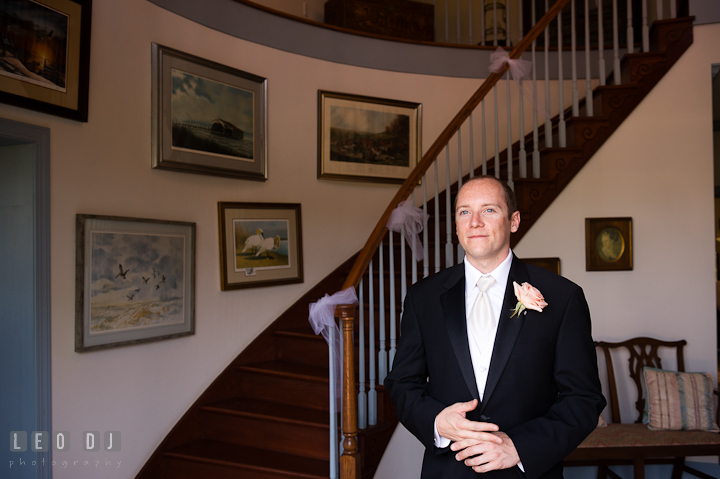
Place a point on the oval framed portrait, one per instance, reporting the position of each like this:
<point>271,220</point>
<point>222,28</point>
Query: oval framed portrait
<point>608,244</point>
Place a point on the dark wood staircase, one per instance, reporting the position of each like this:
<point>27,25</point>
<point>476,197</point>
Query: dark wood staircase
<point>266,415</point>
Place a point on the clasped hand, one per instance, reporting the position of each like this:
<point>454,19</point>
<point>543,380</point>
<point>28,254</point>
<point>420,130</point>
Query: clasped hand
<point>479,444</point>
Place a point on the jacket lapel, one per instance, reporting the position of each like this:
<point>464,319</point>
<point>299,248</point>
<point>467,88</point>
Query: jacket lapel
<point>508,329</point>
<point>453,305</point>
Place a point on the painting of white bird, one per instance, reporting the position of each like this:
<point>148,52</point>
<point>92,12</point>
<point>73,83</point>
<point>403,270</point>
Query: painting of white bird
<point>267,245</point>
<point>254,241</point>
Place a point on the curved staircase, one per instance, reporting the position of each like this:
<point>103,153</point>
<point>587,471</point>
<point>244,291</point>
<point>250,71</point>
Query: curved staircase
<point>266,415</point>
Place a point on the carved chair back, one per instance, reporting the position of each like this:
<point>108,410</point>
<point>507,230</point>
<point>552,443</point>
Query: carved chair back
<point>643,352</point>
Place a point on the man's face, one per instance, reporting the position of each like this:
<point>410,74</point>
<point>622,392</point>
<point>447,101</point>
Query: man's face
<point>483,227</point>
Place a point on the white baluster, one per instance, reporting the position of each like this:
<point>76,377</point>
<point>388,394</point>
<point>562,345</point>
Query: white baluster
<point>548,120</point>
<point>382,354</point>
<point>588,90</point>
<point>448,222</point>
<point>372,394</point>
<point>362,395</point>
<point>573,56</point>
<point>536,134</point>
<point>601,44</point>
<point>659,14</point>
<point>673,9</point>
<point>497,135</point>
<point>561,100</point>
<point>333,407</point>
<point>507,23</point>
<point>426,252</point>
<point>393,334</point>
<point>484,138</point>
<point>472,150</point>
<point>437,219</point>
<point>509,132</point>
<point>616,45</point>
<point>645,29</point>
<point>522,155</point>
<point>630,33</point>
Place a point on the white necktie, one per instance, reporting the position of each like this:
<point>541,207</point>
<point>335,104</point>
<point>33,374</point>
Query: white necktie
<point>482,319</point>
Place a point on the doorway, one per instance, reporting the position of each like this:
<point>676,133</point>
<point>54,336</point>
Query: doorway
<point>25,298</point>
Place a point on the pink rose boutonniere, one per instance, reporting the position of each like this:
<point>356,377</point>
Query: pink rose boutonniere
<point>528,298</point>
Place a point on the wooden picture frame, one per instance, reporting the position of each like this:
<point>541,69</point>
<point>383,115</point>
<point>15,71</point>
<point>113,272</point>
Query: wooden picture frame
<point>45,63</point>
<point>260,244</point>
<point>224,137</point>
<point>550,264</point>
<point>135,281</point>
<point>608,244</point>
<point>362,138</point>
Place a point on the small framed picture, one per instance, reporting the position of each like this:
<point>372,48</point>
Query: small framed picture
<point>550,264</point>
<point>207,118</point>
<point>362,138</point>
<point>608,244</point>
<point>135,281</point>
<point>260,244</point>
<point>45,56</point>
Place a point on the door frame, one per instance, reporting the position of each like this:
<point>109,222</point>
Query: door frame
<point>16,133</point>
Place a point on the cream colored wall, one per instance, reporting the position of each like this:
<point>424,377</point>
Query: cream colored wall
<point>658,169</point>
<point>103,167</point>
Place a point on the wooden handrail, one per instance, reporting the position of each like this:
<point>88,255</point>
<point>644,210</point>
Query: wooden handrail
<point>432,153</point>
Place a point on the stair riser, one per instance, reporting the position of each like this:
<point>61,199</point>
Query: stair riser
<point>310,351</point>
<point>179,468</point>
<point>285,390</point>
<point>289,438</point>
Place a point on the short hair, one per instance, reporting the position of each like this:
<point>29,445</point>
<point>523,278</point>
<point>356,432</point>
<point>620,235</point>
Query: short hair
<point>510,200</point>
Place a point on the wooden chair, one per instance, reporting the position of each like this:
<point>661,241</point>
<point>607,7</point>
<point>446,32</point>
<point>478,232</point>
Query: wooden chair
<point>636,444</point>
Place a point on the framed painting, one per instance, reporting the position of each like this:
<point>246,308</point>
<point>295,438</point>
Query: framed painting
<point>135,281</point>
<point>362,138</point>
<point>260,244</point>
<point>207,118</point>
<point>608,244</point>
<point>550,264</point>
<point>45,55</point>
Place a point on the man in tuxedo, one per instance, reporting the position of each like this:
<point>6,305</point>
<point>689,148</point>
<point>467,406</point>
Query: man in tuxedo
<point>513,397</point>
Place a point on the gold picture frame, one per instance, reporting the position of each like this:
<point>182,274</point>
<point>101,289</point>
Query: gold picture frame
<point>260,244</point>
<point>363,138</point>
<point>46,58</point>
<point>608,244</point>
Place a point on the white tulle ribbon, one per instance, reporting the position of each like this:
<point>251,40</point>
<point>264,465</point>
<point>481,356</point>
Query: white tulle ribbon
<point>410,220</point>
<point>519,69</point>
<point>322,320</point>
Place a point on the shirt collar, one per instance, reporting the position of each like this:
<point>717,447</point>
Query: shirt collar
<point>500,274</point>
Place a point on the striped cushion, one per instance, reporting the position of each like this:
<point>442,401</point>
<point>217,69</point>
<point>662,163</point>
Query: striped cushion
<point>679,401</point>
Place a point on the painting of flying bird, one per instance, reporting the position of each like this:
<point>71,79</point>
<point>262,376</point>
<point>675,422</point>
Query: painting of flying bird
<point>117,301</point>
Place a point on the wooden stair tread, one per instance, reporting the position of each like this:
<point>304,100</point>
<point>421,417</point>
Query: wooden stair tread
<point>278,367</point>
<point>222,453</point>
<point>270,411</point>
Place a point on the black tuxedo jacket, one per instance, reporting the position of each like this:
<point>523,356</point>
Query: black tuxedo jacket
<point>542,387</point>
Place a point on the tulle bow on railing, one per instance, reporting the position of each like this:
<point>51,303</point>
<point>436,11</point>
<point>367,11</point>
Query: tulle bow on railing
<point>322,320</point>
<point>410,220</point>
<point>519,70</point>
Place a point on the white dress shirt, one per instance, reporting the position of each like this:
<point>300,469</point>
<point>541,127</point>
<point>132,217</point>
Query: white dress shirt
<point>496,294</point>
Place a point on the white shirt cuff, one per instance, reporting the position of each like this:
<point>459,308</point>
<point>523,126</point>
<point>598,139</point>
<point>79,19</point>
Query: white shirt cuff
<point>519,464</point>
<point>440,442</point>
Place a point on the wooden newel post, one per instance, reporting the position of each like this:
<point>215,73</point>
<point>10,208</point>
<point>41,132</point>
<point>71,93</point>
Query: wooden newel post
<point>350,459</point>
